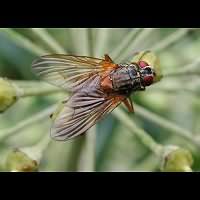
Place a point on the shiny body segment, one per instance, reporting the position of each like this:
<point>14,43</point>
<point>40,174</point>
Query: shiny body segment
<point>123,80</point>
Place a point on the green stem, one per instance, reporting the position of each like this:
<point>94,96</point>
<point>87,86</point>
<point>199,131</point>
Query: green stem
<point>80,40</point>
<point>6,133</point>
<point>177,73</point>
<point>87,161</point>
<point>74,154</point>
<point>174,88</point>
<point>190,69</point>
<point>101,41</point>
<point>48,40</point>
<point>37,92</point>
<point>172,38</point>
<point>36,151</point>
<point>90,41</point>
<point>23,41</point>
<point>124,43</point>
<point>135,44</point>
<point>168,125</point>
<point>145,138</point>
<point>34,88</point>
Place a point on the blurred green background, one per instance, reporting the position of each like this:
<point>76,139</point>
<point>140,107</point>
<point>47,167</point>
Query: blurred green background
<point>110,145</point>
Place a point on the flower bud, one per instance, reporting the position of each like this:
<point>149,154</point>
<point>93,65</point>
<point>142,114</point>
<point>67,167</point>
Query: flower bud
<point>18,161</point>
<point>8,94</point>
<point>176,159</point>
<point>153,61</point>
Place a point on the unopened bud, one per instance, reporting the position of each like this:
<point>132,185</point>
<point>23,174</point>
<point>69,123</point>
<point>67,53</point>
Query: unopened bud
<point>8,94</point>
<point>176,159</point>
<point>18,161</point>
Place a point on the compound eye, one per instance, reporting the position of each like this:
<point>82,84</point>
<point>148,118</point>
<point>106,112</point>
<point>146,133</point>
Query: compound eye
<point>143,64</point>
<point>148,80</point>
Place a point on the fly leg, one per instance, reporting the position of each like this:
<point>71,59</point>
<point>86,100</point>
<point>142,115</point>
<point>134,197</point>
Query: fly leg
<point>128,103</point>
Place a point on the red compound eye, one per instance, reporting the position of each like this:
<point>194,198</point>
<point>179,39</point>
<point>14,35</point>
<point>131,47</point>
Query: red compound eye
<point>148,80</point>
<point>143,64</point>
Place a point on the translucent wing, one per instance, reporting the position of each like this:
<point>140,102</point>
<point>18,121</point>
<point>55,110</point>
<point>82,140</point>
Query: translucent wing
<point>81,111</point>
<point>68,71</point>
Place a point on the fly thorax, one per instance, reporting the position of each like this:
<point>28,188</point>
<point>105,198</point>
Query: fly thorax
<point>126,78</point>
<point>135,77</point>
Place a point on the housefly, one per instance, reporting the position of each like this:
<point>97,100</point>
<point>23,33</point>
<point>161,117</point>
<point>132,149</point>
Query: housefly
<point>97,86</point>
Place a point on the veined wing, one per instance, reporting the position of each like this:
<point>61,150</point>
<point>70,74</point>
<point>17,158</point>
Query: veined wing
<point>68,71</point>
<point>81,111</point>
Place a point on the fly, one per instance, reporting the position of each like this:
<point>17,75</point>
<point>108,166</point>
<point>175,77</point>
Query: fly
<point>97,86</point>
